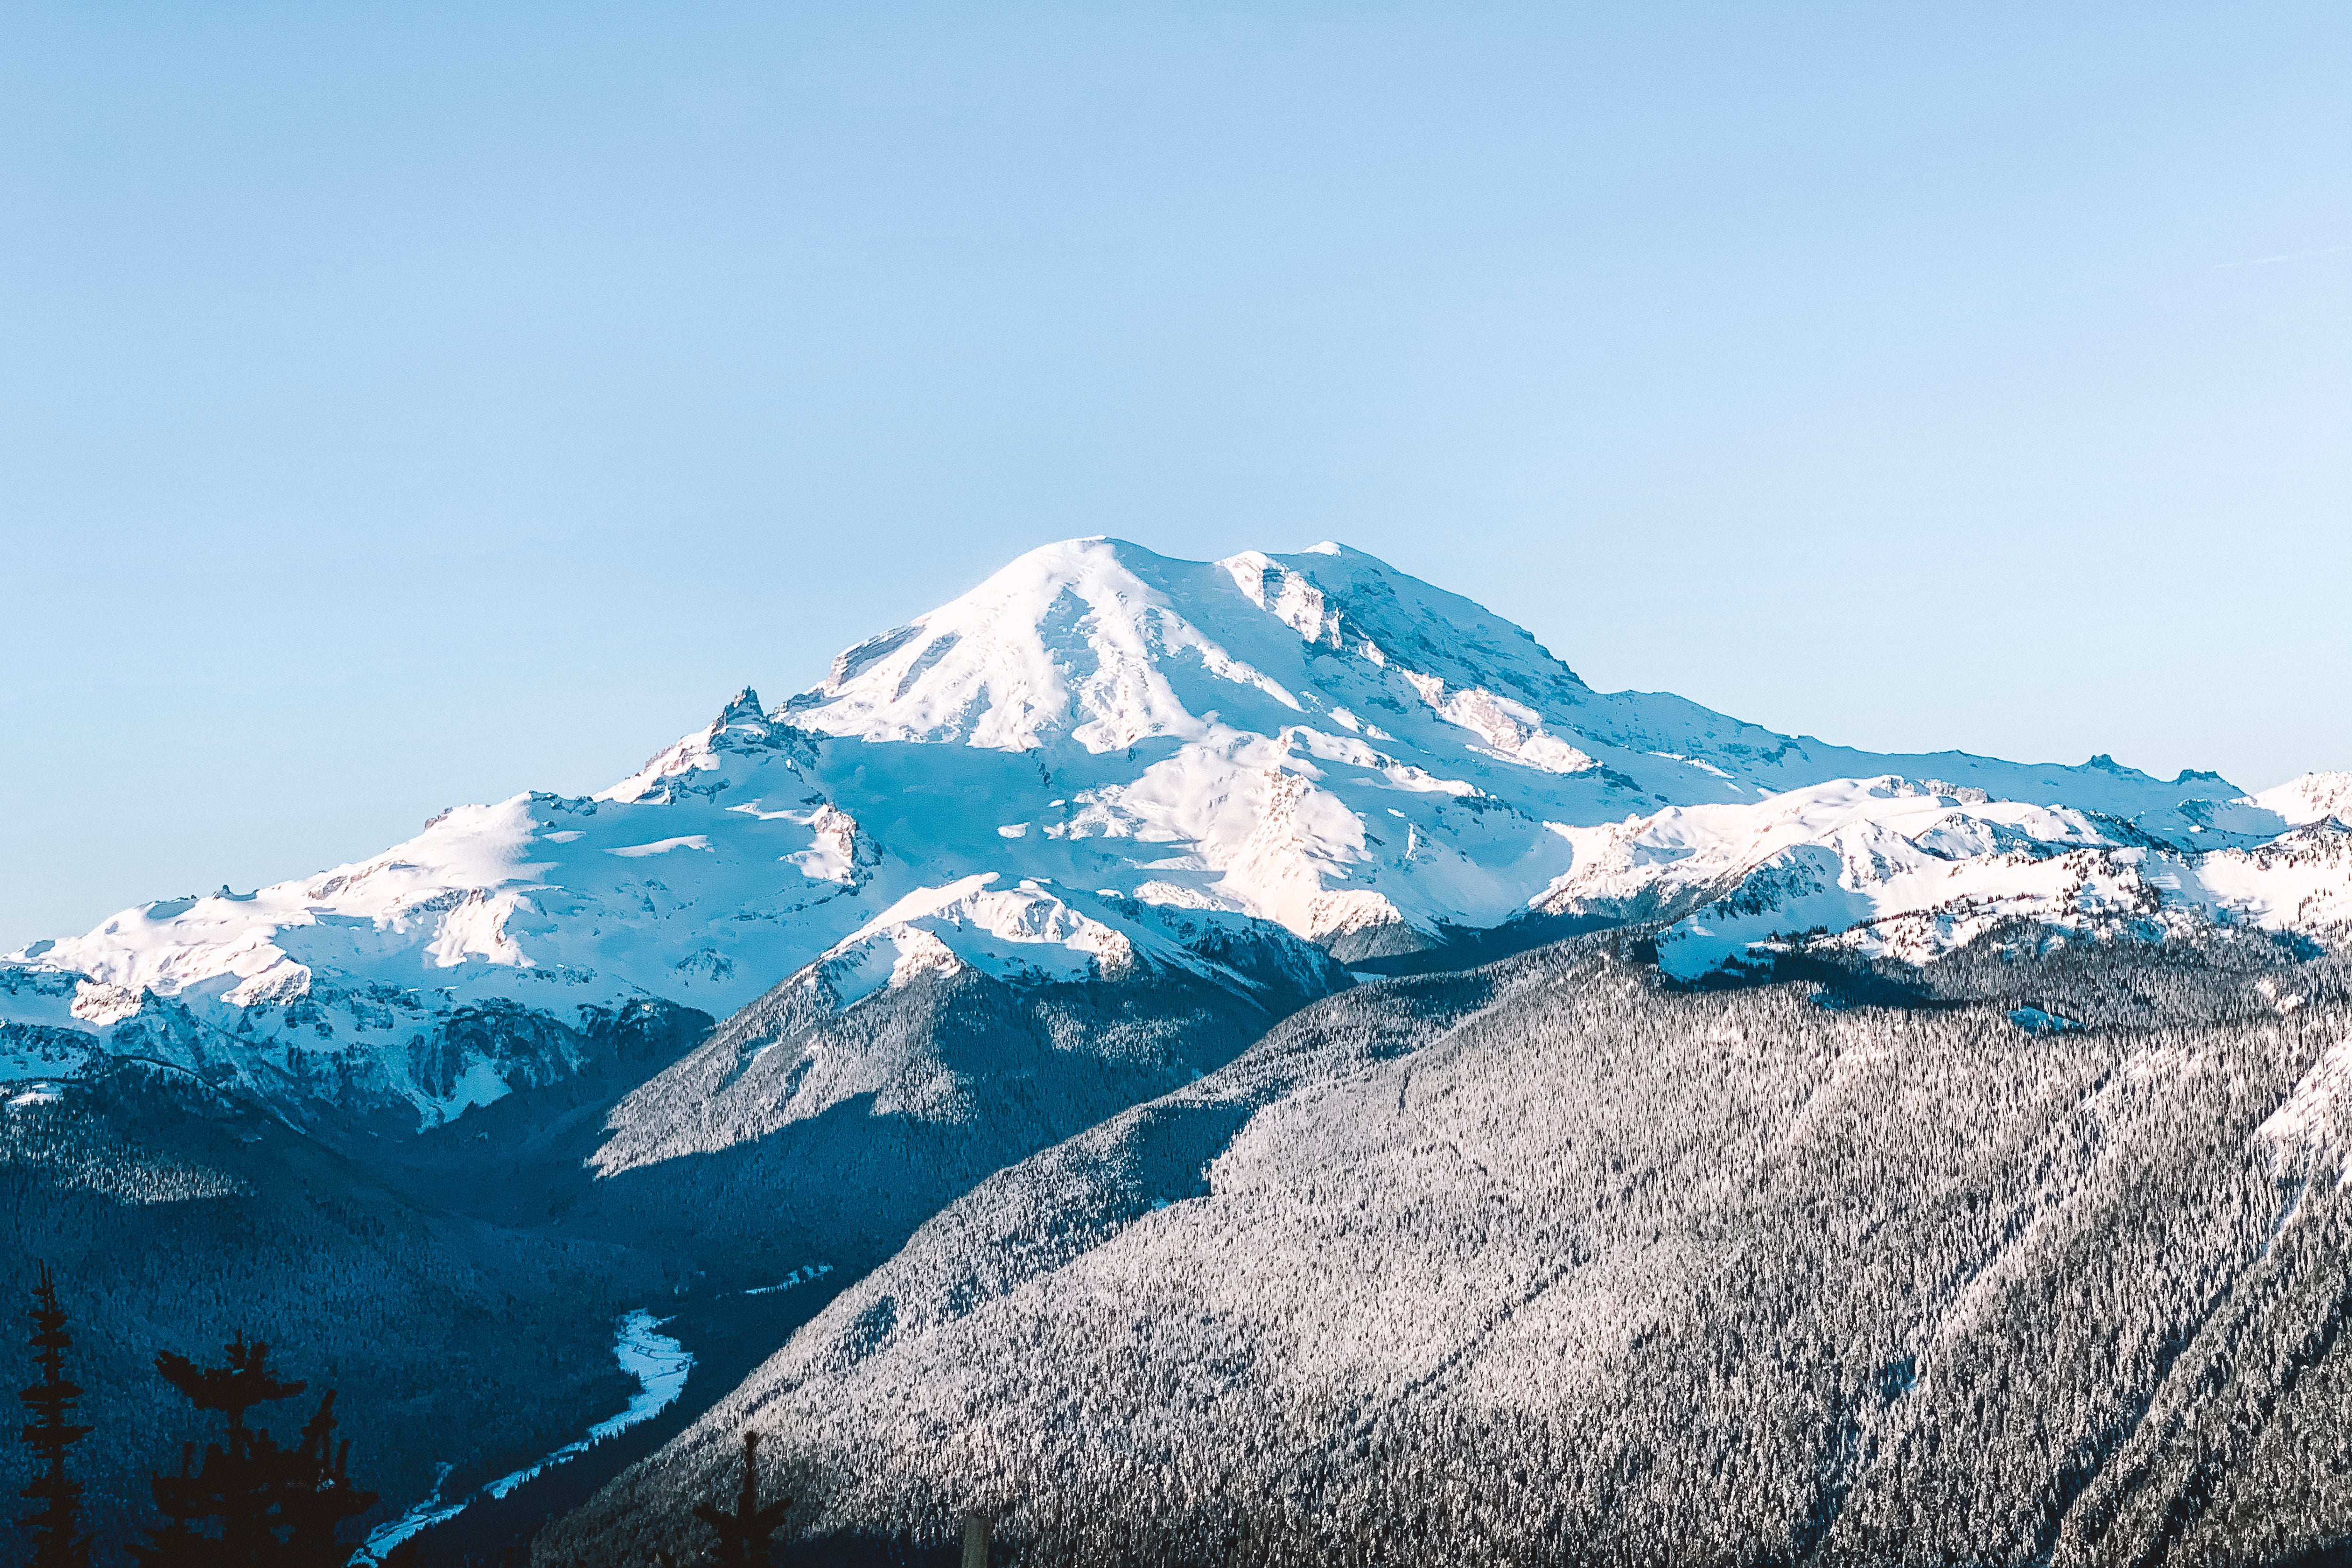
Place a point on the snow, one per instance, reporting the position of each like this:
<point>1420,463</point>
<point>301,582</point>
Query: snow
<point>660,1366</point>
<point>2316,1120</point>
<point>1901,866</point>
<point>478,1085</point>
<point>1022,933</point>
<point>663,846</point>
<point>1313,741</point>
<point>2311,798</point>
<point>797,1276</point>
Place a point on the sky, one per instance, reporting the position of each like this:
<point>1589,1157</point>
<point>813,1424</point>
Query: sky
<point>406,405</point>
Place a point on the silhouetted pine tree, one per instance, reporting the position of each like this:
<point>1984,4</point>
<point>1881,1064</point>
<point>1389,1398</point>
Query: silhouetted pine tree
<point>743,1534</point>
<point>235,1488</point>
<point>318,1494</point>
<point>275,1508</point>
<point>50,1433</point>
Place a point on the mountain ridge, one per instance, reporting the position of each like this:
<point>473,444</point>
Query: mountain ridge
<point>1315,743</point>
<point>1554,1261</point>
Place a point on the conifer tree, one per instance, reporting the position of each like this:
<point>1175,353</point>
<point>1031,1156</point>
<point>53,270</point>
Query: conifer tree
<point>236,1487</point>
<point>50,1433</point>
<point>273,1508</point>
<point>318,1494</point>
<point>743,1534</point>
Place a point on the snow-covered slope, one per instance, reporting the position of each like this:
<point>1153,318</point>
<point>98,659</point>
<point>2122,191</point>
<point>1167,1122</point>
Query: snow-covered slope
<point>2314,798</point>
<point>1314,743</point>
<point>1889,867</point>
<point>1551,1263</point>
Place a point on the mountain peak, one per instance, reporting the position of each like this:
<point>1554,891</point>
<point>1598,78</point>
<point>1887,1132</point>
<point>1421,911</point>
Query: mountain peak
<point>1106,644</point>
<point>742,725</point>
<point>743,709</point>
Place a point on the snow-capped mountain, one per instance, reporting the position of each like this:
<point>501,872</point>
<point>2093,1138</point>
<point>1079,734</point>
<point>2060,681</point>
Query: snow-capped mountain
<point>1308,748</point>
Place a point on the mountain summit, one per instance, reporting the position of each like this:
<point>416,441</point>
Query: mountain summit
<point>1102,761</point>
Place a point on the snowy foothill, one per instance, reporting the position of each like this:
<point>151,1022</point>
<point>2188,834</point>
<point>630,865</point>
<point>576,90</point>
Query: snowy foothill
<point>1035,779</point>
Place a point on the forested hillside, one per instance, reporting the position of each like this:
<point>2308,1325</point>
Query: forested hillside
<point>834,1135</point>
<point>175,1220</point>
<point>460,1287</point>
<point>2035,1255</point>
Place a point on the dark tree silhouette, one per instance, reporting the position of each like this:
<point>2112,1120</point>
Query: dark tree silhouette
<point>319,1493</point>
<point>743,1534</point>
<point>235,1488</point>
<point>275,1508</point>
<point>49,1432</point>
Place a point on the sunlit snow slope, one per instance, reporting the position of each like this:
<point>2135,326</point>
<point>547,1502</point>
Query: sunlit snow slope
<point>1314,741</point>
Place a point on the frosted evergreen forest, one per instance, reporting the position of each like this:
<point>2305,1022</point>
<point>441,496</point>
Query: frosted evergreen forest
<point>2033,1255</point>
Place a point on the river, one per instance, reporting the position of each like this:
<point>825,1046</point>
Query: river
<point>660,1366</point>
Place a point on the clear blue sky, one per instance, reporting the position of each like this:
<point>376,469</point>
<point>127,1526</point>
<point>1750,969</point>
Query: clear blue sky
<point>410,405</point>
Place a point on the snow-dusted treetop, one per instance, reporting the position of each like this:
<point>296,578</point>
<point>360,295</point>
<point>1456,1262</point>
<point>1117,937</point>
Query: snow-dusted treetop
<point>1317,741</point>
